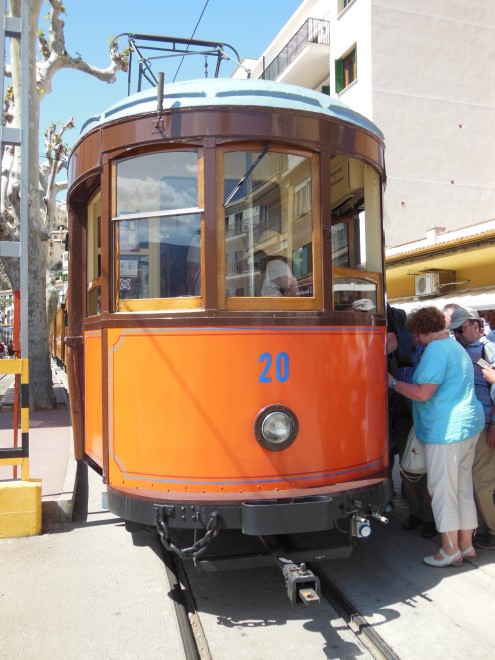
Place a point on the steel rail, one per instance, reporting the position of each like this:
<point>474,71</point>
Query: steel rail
<point>355,621</point>
<point>191,630</point>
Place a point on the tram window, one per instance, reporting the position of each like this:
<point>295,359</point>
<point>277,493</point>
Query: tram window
<point>157,182</point>
<point>268,224</point>
<point>157,229</point>
<point>348,289</point>
<point>93,257</point>
<point>356,233</point>
<point>94,297</point>
<point>156,257</point>
<point>302,267</point>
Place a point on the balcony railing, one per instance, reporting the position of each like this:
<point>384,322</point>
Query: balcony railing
<point>313,31</point>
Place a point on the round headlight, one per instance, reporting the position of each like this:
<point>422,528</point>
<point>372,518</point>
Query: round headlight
<point>276,427</point>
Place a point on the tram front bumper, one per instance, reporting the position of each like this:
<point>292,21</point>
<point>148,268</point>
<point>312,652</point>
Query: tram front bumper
<point>302,514</point>
<point>289,513</point>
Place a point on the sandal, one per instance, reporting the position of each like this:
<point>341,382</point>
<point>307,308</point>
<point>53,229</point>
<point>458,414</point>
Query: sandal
<point>447,560</point>
<point>465,553</point>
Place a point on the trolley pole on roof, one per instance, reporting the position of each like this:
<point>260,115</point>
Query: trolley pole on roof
<point>20,500</point>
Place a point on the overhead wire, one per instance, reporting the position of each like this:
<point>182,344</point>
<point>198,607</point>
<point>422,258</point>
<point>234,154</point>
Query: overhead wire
<point>192,37</point>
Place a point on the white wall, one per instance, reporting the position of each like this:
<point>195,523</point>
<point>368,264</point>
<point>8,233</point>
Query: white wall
<point>352,27</point>
<point>426,77</point>
<point>434,98</point>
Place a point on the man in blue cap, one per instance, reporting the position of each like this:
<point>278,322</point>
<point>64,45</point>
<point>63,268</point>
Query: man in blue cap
<point>468,330</point>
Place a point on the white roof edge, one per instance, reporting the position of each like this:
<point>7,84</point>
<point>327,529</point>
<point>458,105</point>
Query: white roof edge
<point>232,92</point>
<point>482,299</point>
<point>435,238</point>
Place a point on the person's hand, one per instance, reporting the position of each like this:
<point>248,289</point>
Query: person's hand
<point>489,375</point>
<point>287,286</point>
<point>293,289</point>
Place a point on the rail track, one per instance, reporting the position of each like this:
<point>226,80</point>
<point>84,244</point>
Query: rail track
<point>194,635</point>
<point>191,631</point>
<point>355,621</point>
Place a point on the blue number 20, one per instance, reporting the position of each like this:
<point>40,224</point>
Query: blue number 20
<point>281,367</point>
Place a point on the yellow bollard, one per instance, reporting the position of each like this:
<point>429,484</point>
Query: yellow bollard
<point>20,508</point>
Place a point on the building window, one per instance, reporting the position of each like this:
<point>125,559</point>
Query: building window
<point>343,4</point>
<point>302,198</point>
<point>346,70</point>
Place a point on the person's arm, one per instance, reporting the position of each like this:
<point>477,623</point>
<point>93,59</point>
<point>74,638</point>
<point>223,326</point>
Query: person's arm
<point>489,375</point>
<point>282,278</point>
<point>392,343</point>
<point>416,392</point>
<point>287,285</point>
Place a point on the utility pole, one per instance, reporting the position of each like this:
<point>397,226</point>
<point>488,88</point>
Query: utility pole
<point>20,500</point>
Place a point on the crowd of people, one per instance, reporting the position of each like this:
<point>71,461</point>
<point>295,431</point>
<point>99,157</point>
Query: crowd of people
<point>6,349</point>
<point>442,389</point>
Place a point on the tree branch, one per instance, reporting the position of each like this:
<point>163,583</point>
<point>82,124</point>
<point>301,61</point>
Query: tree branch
<point>56,56</point>
<point>56,152</point>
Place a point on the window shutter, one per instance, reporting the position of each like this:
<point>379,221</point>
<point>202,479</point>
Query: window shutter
<point>339,76</point>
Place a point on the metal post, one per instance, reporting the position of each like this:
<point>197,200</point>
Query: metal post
<point>18,28</point>
<point>24,205</point>
<point>20,500</point>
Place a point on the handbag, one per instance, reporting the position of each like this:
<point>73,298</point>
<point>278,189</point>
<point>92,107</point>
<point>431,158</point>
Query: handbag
<point>413,463</point>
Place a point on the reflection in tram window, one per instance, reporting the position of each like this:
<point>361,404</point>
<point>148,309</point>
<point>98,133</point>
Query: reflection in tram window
<point>302,267</point>
<point>159,181</point>
<point>356,232</point>
<point>93,257</point>
<point>154,256</point>
<point>157,226</point>
<point>268,218</point>
<point>193,265</point>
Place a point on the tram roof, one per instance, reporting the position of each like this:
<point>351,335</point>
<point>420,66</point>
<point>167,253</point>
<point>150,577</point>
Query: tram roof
<point>232,92</point>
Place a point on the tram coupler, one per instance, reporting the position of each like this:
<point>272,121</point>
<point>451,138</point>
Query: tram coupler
<point>360,527</point>
<point>303,587</point>
<point>378,516</point>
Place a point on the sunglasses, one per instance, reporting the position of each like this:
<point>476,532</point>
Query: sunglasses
<point>460,330</point>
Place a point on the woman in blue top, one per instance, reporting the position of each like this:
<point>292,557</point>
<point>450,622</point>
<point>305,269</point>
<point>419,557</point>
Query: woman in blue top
<point>448,418</point>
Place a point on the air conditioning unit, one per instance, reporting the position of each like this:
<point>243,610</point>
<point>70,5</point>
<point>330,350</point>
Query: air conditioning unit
<point>346,180</point>
<point>434,282</point>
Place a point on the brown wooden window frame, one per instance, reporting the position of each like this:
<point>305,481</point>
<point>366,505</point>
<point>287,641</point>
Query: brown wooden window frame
<point>253,303</point>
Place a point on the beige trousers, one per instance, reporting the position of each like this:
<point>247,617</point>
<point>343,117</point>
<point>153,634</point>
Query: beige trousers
<point>449,473</point>
<point>484,484</point>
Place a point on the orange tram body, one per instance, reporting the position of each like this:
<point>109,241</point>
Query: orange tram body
<point>207,400</point>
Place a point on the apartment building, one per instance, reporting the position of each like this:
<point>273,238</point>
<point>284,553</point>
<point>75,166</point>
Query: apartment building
<point>422,71</point>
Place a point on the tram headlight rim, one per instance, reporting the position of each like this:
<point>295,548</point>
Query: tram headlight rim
<point>276,414</point>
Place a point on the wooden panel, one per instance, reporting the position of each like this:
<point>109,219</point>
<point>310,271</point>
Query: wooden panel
<point>182,416</point>
<point>93,436</point>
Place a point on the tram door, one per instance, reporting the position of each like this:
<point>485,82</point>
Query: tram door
<point>93,432</point>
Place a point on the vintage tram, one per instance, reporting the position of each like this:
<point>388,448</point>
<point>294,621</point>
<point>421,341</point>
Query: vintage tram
<point>226,327</point>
